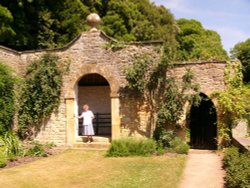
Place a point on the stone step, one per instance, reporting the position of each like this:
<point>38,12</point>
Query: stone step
<point>96,139</point>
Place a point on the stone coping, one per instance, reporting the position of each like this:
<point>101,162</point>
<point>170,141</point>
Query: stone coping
<point>108,38</point>
<point>242,143</point>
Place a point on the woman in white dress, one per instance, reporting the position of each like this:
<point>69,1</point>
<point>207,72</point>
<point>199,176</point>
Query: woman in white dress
<point>88,117</point>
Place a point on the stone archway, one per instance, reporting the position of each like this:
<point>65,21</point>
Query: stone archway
<point>94,90</point>
<point>203,124</point>
<point>108,73</point>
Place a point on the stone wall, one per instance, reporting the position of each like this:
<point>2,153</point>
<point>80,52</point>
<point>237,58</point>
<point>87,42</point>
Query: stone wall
<point>209,75</point>
<point>11,58</point>
<point>90,53</point>
<point>97,97</point>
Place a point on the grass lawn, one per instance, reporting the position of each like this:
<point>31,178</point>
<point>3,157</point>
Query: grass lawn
<point>90,169</point>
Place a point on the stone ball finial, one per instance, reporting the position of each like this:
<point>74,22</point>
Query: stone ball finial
<point>93,20</point>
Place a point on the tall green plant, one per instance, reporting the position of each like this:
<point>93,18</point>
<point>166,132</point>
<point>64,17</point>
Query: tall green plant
<point>11,145</point>
<point>40,94</point>
<point>232,103</point>
<point>165,95</point>
<point>7,98</point>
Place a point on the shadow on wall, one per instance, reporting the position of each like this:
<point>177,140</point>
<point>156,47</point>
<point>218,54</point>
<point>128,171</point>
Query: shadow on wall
<point>136,117</point>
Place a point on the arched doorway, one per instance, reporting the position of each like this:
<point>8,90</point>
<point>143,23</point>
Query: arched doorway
<point>94,90</point>
<point>203,124</point>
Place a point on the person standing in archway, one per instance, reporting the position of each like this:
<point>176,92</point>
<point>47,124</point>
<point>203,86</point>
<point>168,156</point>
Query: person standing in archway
<point>88,117</point>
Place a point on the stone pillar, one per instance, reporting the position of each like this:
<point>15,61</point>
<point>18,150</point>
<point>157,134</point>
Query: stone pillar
<point>70,123</point>
<point>115,116</point>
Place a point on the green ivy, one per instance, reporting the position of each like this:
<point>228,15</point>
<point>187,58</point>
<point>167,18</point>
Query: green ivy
<point>136,74</point>
<point>233,74</point>
<point>114,45</point>
<point>40,94</point>
<point>7,98</point>
<point>232,103</point>
<point>165,95</point>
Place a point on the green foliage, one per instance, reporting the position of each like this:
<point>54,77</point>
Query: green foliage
<point>165,96</point>
<point>55,23</point>
<point>3,159</point>
<point>6,30</point>
<point>136,75</point>
<point>168,141</point>
<point>179,146</point>
<point>163,137</point>
<point>232,104</point>
<point>131,147</point>
<point>46,35</point>
<point>7,98</point>
<point>241,51</point>
<point>237,166</point>
<point>11,148</point>
<point>233,74</point>
<point>10,145</point>
<point>40,93</point>
<point>70,20</point>
<point>36,150</point>
<point>197,43</point>
<point>136,20</point>
<point>114,45</point>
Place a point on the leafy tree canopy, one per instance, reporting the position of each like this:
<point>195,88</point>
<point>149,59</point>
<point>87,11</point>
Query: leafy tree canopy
<point>43,23</point>
<point>34,24</point>
<point>5,24</point>
<point>197,43</point>
<point>241,51</point>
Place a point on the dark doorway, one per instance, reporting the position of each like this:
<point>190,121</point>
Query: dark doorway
<point>94,90</point>
<point>203,125</point>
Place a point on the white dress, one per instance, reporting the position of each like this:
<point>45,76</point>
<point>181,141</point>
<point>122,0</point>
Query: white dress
<point>87,122</point>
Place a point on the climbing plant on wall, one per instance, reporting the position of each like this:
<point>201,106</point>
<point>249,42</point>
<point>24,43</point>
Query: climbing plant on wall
<point>232,103</point>
<point>40,94</point>
<point>166,96</point>
<point>7,98</point>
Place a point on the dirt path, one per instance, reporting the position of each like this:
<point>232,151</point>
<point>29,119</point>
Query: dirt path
<point>203,170</point>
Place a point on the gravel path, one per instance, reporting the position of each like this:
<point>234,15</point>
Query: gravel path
<point>203,170</point>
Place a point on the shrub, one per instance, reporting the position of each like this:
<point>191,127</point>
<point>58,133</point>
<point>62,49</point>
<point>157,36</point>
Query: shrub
<point>37,150</point>
<point>3,159</point>
<point>131,147</point>
<point>6,98</point>
<point>11,145</point>
<point>167,140</point>
<point>163,137</point>
<point>230,155</point>
<point>179,146</point>
<point>237,166</point>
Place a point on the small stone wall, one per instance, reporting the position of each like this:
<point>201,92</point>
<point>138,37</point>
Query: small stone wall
<point>240,135</point>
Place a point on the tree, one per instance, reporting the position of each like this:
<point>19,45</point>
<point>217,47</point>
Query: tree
<point>56,23</point>
<point>44,23</point>
<point>132,20</point>
<point>45,35</point>
<point>6,31</point>
<point>241,51</point>
<point>70,20</point>
<point>197,43</point>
